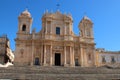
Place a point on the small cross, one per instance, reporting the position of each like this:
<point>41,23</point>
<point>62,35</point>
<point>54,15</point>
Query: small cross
<point>85,13</point>
<point>58,6</point>
<point>27,4</point>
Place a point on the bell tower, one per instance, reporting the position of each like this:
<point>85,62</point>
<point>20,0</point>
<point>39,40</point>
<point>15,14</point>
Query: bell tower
<point>24,22</point>
<point>86,28</point>
<point>87,46</point>
<point>24,25</point>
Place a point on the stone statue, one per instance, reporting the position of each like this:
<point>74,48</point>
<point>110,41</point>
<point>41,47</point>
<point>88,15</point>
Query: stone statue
<point>9,53</point>
<point>10,56</point>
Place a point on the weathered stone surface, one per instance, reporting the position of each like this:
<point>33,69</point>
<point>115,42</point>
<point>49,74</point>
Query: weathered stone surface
<point>59,73</point>
<point>55,39</point>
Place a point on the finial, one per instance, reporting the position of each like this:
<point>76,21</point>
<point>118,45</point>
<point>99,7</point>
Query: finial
<point>58,5</point>
<point>69,14</point>
<point>27,4</point>
<point>46,11</point>
<point>26,9</point>
<point>51,11</point>
<point>85,13</point>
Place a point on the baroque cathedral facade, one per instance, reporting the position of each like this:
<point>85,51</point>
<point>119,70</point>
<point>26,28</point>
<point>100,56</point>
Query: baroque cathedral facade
<point>55,44</point>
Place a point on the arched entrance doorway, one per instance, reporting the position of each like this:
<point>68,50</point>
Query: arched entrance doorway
<point>37,62</point>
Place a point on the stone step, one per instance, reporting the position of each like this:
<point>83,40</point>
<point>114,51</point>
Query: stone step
<point>59,76</point>
<point>58,70</point>
<point>59,73</point>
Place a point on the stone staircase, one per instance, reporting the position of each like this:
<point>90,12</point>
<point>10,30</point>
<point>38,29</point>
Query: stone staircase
<point>59,73</point>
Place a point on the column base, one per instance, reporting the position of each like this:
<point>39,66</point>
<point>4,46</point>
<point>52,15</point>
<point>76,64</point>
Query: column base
<point>82,66</point>
<point>66,65</point>
<point>45,65</point>
<point>72,65</point>
<point>31,64</point>
<point>50,65</point>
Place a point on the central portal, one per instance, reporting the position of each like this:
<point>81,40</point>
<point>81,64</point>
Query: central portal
<point>57,59</point>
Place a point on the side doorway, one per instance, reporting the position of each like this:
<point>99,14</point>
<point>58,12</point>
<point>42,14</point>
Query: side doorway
<point>37,61</point>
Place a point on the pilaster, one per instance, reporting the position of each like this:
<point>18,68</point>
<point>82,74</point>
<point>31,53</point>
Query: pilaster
<point>41,54</point>
<point>65,29</point>
<point>51,28</point>
<point>50,55</point>
<point>71,56</point>
<point>85,57</point>
<point>46,27</point>
<point>65,63</point>
<point>32,61</point>
<point>82,61</point>
<point>44,55</point>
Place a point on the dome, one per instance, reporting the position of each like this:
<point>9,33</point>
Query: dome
<point>86,18</point>
<point>26,13</point>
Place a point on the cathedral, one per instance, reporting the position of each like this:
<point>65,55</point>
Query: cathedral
<point>55,44</point>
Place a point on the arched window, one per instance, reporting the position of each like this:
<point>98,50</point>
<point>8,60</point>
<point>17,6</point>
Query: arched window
<point>88,32</point>
<point>22,51</point>
<point>81,32</point>
<point>24,27</point>
<point>89,57</point>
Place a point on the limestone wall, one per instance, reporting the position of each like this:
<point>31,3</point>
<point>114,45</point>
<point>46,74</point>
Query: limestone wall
<point>107,57</point>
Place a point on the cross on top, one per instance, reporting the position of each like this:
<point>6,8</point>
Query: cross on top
<point>58,6</point>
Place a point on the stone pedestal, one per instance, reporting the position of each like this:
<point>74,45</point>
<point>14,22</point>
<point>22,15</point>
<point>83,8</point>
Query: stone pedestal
<point>66,65</point>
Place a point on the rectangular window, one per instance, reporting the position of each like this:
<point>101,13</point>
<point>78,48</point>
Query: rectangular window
<point>58,30</point>
<point>112,59</point>
<point>103,59</point>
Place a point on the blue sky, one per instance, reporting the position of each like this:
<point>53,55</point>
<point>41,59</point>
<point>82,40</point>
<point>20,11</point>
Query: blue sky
<point>105,15</point>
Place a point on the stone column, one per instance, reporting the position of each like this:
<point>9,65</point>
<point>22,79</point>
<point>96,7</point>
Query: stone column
<point>41,53</point>
<point>79,53</point>
<point>44,55</point>
<point>96,58</point>
<point>81,50</point>
<point>73,58</point>
<point>69,28</point>
<point>50,55</point>
<point>70,56</point>
<point>91,33</point>
<point>65,56</point>
<point>46,27</point>
<point>51,28</point>
<point>85,58</point>
<point>65,29</point>
<point>32,61</point>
